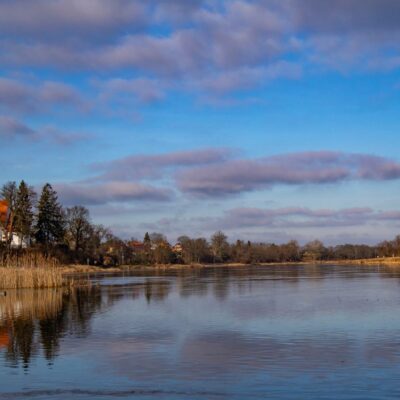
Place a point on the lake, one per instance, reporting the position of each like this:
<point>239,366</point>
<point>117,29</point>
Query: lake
<point>278,332</point>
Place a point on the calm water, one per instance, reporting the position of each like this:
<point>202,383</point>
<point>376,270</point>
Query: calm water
<point>302,332</point>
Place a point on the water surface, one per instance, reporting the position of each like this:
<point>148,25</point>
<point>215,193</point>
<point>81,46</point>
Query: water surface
<point>279,332</point>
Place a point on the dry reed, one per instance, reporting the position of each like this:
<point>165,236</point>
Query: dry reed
<point>19,270</point>
<point>32,259</point>
<point>35,278</point>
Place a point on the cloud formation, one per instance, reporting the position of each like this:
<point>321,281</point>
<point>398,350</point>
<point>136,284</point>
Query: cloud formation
<point>98,194</point>
<point>72,62</point>
<point>50,20</point>
<point>20,97</point>
<point>217,46</point>
<point>12,129</point>
<point>145,91</point>
<point>138,167</point>
<point>299,217</point>
<point>216,173</point>
<point>324,167</point>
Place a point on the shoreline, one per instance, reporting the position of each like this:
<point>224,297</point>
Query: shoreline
<point>18,277</point>
<point>85,269</point>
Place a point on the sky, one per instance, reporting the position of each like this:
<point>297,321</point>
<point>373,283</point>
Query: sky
<point>270,120</point>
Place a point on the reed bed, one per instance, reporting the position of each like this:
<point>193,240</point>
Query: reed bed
<point>35,278</point>
<point>31,259</point>
<point>20,270</point>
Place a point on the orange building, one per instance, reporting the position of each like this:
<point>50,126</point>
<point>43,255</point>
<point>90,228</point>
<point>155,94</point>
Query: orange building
<point>3,211</point>
<point>3,218</point>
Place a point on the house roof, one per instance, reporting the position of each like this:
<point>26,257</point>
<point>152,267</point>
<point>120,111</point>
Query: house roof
<point>135,244</point>
<point>3,211</point>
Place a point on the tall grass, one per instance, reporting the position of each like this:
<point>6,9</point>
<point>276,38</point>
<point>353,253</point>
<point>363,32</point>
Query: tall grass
<point>32,259</point>
<point>35,278</point>
<point>20,270</point>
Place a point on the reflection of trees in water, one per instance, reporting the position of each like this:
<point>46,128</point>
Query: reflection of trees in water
<point>21,310</point>
<point>32,319</point>
<point>156,290</point>
<point>36,321</point>
<point>81,306</point>
<point>222,284</point>
<point>221,280</point>
<point>151,289</point>
<point>21,345</point>
<point>51,330</point>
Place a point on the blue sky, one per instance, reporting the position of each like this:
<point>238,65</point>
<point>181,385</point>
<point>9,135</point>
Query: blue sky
<point>184,117</point>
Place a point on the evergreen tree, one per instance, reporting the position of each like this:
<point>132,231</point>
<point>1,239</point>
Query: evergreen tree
<point>50,219</point>
<point>23,218</point>
<point>148,253</point>
<point>147,239</point>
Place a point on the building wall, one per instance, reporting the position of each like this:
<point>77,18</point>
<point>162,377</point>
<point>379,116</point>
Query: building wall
<point>16,240</point>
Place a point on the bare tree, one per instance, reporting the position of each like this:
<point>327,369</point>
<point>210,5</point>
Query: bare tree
<point>9,193</point>
<point>219,246</point>
<point>78,228</point>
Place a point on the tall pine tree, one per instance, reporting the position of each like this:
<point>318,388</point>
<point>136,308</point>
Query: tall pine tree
<point>23,215</point>
<point>50,223</point>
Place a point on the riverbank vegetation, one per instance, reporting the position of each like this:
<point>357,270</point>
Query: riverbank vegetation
<point>37,232</point>
<point>36,278</point>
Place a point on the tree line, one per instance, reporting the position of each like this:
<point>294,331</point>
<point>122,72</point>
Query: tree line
<point>42,224</point>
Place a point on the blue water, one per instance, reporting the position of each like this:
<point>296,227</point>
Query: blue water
<point>294,332</point>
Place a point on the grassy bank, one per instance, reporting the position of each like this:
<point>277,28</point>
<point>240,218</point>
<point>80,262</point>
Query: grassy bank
<point>390,261</point>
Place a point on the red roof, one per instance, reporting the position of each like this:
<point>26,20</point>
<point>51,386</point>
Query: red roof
<point>135,244</point>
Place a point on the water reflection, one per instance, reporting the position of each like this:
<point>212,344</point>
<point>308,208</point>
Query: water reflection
<point>207,332</point>
<point>30,320</point>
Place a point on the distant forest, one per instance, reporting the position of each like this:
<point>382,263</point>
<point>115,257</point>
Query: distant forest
<point>32,224</point>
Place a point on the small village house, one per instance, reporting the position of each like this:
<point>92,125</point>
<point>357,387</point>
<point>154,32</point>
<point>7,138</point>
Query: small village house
<point>136,246</point>
<point>177,249</point>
